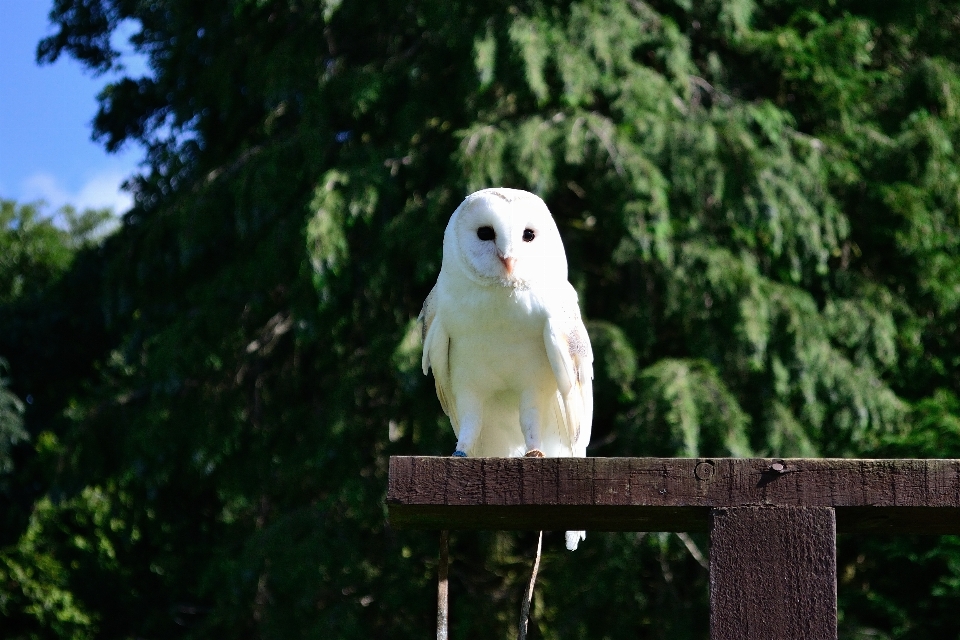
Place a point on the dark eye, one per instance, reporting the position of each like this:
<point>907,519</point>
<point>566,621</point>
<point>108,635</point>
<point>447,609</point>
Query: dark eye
<point>528,235</point>
<point>486,233</point>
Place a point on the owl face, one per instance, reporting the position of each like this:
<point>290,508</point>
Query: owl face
<point>506,237</point>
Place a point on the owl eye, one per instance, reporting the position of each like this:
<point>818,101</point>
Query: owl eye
<point>528,235</point>
<point>486,233</point>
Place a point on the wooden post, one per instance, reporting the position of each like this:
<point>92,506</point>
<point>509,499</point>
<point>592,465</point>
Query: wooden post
<point>773,573</point>
<point>772,522</point>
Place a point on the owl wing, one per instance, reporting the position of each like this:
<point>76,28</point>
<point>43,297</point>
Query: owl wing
<point>571,358</point>
<point>436,354</point>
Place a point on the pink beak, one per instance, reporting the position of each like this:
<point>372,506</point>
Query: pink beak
<point>508,264</point>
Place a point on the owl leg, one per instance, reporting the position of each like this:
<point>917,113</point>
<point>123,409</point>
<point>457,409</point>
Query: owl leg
<point>470,413</point>
<point>530,424</point>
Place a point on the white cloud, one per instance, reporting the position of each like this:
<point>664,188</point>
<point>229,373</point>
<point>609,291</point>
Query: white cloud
<point>101,189</point>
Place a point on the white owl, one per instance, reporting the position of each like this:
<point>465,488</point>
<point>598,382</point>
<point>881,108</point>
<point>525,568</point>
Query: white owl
<point>502,331</point>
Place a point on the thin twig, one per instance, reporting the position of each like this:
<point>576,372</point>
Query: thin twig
<point>694,550</point>
<point>443,607</point>
<point>528,597</point>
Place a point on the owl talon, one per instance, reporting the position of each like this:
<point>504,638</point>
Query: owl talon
<point>534,453</point>
<point>459,454</point>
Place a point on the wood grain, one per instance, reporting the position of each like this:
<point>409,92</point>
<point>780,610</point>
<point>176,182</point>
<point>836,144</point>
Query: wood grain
<point>773,573</point>
<point>668,494</point>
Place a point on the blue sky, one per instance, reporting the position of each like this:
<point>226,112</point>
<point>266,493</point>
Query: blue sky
<point>46,151</point>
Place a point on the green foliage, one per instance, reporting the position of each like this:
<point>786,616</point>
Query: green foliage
<point>37,252</point>
<point>37,594</point>
<point>36,249</point>
<point>11,421</point>
<point>759,205</point>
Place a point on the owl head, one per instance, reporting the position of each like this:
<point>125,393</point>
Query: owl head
<point>504,237</point>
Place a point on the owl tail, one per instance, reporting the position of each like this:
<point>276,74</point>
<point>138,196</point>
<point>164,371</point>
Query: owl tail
<point>574,538</point>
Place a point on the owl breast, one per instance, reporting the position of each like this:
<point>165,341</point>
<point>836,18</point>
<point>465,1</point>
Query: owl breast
<point>502,330</point>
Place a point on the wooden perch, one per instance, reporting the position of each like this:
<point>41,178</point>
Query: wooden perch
<point>772,522</point>
<point>668,494</point>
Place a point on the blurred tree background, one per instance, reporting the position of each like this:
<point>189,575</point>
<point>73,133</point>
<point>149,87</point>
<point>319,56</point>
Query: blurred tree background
<point>760,202</point>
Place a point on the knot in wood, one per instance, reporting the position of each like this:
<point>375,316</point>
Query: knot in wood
<point>704,470</point>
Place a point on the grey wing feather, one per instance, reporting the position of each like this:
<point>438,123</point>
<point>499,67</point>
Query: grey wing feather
<point>571,358</point>
<point>436,354</point>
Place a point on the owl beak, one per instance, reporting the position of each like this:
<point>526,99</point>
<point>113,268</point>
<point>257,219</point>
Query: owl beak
<point>508,264</point>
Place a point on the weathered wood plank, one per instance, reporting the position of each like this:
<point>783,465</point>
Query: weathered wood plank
<point>668,494</point>
<point>773,573</point>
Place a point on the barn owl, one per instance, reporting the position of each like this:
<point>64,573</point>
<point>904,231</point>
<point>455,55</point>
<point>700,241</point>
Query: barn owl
<point>502,332</point>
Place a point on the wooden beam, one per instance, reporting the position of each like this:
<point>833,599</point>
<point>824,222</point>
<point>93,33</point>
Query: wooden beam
<point>773,573</point>
<point>668,494</point>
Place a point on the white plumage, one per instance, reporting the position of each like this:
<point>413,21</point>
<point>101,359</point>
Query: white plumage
<point>503,334</point>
